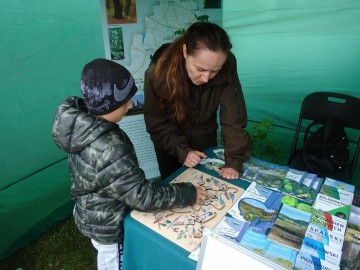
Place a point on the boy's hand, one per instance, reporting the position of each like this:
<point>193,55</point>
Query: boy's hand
<point>200,195</point>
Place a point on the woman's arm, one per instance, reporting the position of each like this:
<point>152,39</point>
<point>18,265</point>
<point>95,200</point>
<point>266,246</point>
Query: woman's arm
<point>163,132</point>
<point>233,116</point>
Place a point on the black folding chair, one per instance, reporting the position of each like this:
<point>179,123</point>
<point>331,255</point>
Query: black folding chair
<point>318,107</point>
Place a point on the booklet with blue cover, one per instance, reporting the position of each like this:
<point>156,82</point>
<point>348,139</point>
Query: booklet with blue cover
<point>281,254</point>
<point>292,182</point>
<point>323,252</point>
<point>306,261</point>
<point>322,235</point>
<point>258,206</point>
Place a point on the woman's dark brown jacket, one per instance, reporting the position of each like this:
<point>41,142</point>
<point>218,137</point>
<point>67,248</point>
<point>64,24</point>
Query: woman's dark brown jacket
<point>224,92</point>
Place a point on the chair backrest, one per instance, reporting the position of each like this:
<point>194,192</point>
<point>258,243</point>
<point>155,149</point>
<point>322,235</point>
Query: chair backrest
<point>321,105</point>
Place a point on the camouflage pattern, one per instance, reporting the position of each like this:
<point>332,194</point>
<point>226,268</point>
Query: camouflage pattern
<point>105,174</point>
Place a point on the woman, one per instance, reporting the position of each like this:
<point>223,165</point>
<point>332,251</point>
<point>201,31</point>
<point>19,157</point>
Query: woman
<point>183,89</point>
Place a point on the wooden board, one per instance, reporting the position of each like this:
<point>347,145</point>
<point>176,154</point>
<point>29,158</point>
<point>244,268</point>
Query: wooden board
<point>184,226</point>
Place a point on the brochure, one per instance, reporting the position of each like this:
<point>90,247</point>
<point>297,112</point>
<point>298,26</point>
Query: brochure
<point>332,206</point>
<point>330,222</point>
<point>231,228</point>
<point>306,261</point>
<point>212,163</point>
<point>290,227</point>
<point>270,175</point>
<point>219,153</point>
<point>306,186</point>
<point>281,254</point>
<point>323,252</point>
<point>351,247</point>
<point>250,168</point>
<point>343,195</point>
<point>339,185</point>
<point>258,206</point>
<point>255,241</point>
<point>322,235</point>
<point>314,190</point>
<point>292,181</point>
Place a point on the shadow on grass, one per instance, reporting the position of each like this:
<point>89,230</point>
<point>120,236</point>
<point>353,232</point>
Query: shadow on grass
<point>61,248</point>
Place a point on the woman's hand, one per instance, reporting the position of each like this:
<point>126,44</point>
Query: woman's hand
<point>193,158</point>
<point>229,173</point>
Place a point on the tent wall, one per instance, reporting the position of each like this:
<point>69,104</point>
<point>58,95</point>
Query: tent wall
<point>288,49</point>
<point>285,49</point>
<point>44,45</point>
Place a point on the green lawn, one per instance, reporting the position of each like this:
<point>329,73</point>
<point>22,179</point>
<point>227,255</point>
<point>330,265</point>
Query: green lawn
<point>61,248</point>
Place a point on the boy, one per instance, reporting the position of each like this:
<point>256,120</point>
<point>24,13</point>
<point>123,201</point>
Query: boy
<point>106,179</point>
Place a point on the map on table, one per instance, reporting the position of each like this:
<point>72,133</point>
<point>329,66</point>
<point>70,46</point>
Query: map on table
<point>184,226</point>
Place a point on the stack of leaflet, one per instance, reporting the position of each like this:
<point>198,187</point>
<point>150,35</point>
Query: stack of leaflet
<point>255,211</point>
<point>300,184</point>
<point>315,236</point>
<point>335,197</point>
<point>324,238</point>
<point>264,173</point>
<point>309,188</point>
<point>350,258</point>
<point>250,220</point>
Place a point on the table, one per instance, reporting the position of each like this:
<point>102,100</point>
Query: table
<point>145,249</point>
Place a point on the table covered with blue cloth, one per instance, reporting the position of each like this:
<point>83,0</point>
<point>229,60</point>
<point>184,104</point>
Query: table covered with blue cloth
<point>144,249</point>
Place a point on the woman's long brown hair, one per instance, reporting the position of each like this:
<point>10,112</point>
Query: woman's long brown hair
<point>200,35</point>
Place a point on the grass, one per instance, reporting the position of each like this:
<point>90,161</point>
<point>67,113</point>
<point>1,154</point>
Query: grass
<point>61,248</point>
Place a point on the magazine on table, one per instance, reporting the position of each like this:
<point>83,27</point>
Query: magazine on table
<point>250,168</point>
<point>255,241</point>
<point>321,251</point>
<point>351,247</point>
<point>314,190</point>
<point>322,235</point>
<point>330,222</point>
<point>212,163</point>
<point>255,210</point>
<point>270,175</point>
<point>306,261</point>
<point>290,227</point>
<point>337,191</point>
<point>332,206</point>
<point>257,206</point>
<point>305,186</point>
<point>281,254</point>
<point>231,228</point>
<point>339,185</point>
<point>292,181</point>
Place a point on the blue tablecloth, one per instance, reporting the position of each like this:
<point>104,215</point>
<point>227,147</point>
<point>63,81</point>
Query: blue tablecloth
<point>144,249</point>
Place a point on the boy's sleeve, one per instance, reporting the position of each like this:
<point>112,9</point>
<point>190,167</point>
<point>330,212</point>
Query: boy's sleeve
<point>233,117</point>
<point>127,182</point>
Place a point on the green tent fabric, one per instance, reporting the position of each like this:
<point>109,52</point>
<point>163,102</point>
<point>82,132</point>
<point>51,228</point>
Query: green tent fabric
<point>43,47</point>
<point>288,49</point>
<point>31,207</point>
<point>285,49</point>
